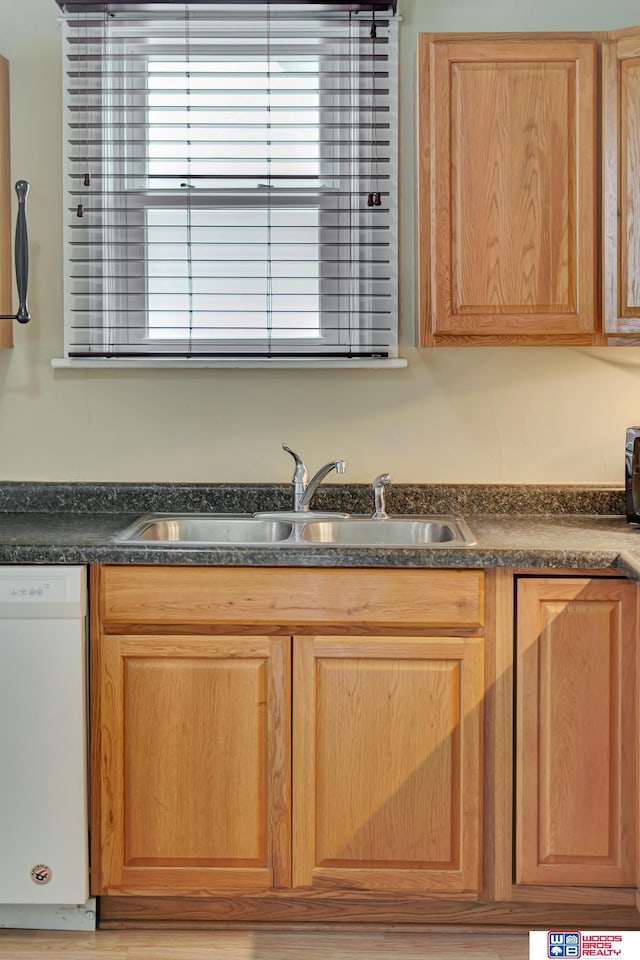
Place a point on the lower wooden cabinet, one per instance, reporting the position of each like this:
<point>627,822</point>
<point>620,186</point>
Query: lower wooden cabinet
<point>438,746</point>
<point>194,790</point>
<point>576,732</point>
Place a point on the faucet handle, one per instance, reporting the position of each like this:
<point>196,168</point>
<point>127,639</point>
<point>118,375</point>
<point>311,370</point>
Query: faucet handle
<point>299,478</point>
<point>300,474</point>
<point>378,485</point>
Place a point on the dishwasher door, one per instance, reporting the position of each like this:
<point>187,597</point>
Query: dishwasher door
<point>43,735</point>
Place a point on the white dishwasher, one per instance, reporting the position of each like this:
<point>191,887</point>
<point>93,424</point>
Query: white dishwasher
<point>43,739</point>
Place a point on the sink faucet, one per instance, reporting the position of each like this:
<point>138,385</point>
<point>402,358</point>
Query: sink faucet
<point>303,488</point>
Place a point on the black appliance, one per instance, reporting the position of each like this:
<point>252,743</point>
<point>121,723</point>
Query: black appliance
<point>632,475</point>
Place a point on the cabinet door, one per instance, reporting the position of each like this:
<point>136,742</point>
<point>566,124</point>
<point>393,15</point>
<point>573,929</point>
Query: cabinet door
<point>6,255</point>
<point>576,732</point>
<point>507,197</point>
<point>387,764</point>
<point>191,762</point>
<point>621,175</point>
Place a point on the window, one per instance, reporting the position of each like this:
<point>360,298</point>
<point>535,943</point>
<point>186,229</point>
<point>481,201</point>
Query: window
<point>232,181</point>
<point>247,262</point>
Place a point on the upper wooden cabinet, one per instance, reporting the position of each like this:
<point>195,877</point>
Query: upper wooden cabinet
<point>508,190</point>
<point>6,289</point>
<point>519,243</point>
<point>621,197</point>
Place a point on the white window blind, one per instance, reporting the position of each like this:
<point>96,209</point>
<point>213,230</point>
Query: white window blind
<point>231,181</point>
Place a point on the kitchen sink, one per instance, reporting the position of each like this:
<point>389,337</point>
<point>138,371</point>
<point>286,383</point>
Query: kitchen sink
<point>409,531</point>
<point>393,532</point>
<point>206,528</point>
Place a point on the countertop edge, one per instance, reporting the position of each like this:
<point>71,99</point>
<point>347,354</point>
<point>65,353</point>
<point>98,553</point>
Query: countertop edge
<point>322,556</point>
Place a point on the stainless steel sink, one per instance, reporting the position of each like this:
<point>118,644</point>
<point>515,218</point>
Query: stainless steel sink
<point>393,532</point>
<point>413,531</point>
<point>206,528</point>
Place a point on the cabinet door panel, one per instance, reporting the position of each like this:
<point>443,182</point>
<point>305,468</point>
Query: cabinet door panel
<point>387,763</point>
<point>508,246</point>
<point>576,732</point>
<point>621,153</point>
<point>195,769</point>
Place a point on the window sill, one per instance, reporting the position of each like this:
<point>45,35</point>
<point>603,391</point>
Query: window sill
<point>232,363</point>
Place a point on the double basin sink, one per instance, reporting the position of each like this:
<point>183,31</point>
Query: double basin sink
<point>285,529</point>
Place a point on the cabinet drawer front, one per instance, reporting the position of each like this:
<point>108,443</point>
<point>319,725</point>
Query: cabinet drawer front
<point>296,597</point>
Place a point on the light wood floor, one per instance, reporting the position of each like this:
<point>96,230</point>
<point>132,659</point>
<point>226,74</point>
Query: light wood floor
<point>261,945</point>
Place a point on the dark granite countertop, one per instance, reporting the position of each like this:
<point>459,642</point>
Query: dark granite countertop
<point>514,526</point>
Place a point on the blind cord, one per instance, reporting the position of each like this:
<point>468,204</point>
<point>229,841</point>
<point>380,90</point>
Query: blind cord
<point>374,199</point>
<point>86,179</point>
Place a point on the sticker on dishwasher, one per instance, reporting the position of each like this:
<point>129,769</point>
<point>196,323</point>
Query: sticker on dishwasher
<point>41,874</point>
<point>16,589</point>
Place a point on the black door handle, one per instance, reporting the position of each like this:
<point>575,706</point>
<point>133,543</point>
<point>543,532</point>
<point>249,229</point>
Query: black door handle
<point>22,256</point>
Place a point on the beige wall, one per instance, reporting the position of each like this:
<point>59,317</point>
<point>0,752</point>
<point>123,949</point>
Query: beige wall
<point>486,415</point>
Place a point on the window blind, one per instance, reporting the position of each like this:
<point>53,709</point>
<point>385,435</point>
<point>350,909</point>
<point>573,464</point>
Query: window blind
<point>231,181</point>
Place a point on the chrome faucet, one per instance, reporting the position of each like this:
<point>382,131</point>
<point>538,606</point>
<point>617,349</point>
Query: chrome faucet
<point>303,488</point>
<point>380,482</point>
